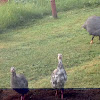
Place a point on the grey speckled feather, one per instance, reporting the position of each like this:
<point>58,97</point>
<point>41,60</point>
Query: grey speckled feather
<point>59,76</point>
<point>18,81</point>
<point>92,25</point>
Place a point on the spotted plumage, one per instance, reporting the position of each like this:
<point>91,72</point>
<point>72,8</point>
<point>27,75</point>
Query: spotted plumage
<point>59,76</point>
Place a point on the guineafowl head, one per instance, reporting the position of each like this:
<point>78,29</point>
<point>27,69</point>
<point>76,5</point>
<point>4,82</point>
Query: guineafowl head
<point>59,57</point>
<point>12,70</point>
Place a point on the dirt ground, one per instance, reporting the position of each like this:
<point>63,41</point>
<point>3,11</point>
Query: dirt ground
<point>49,94</point>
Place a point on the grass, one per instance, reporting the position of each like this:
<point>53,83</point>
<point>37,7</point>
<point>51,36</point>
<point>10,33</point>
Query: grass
<point>33,48</point>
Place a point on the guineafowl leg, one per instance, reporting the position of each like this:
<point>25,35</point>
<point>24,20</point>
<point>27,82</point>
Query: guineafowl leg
<point>99,38</point>
<point>62,92</point>
<point>56,93</point>
<point>92,40</point>
<point>22,97</point>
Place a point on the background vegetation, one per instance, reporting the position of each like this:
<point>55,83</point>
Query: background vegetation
<point>18,12</point>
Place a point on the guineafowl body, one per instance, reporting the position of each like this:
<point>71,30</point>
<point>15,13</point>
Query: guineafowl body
<point>19,83</point>
<point>92,25</point>
<point>59,76</point>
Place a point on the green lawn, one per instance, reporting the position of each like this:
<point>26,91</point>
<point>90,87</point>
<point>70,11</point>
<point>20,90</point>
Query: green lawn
<point>33,48</point>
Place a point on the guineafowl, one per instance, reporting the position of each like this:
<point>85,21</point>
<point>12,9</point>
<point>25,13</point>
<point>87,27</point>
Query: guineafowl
<point>59,76</point>
<point>19,83</point>
<point>92,25</point>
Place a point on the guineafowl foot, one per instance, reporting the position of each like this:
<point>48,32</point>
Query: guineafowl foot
<point>22,97</point>
<point>91,42</point>
<point>62,96</point>
<point>56,94</point>
<point>62,91</point>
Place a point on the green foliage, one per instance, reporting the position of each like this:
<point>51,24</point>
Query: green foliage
<point>13,14</point>
<point>74,4</point>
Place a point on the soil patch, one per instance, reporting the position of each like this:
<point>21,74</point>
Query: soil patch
<point>49,94</point>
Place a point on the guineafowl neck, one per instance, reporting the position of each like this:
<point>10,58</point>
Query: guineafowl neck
<point>14,74</point>
<point>60,65</point>
<point>60,61</point>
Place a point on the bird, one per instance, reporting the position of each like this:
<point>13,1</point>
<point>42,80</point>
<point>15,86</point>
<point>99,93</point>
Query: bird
<point>19,83</point>
<point>59,77</point>
<point>92,25</point>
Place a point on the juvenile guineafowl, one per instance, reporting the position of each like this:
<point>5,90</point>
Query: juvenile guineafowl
<point>19,83</point>
<point>59,76</point>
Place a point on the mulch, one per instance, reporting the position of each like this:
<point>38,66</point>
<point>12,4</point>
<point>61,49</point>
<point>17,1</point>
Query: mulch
<point>49,94</point>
